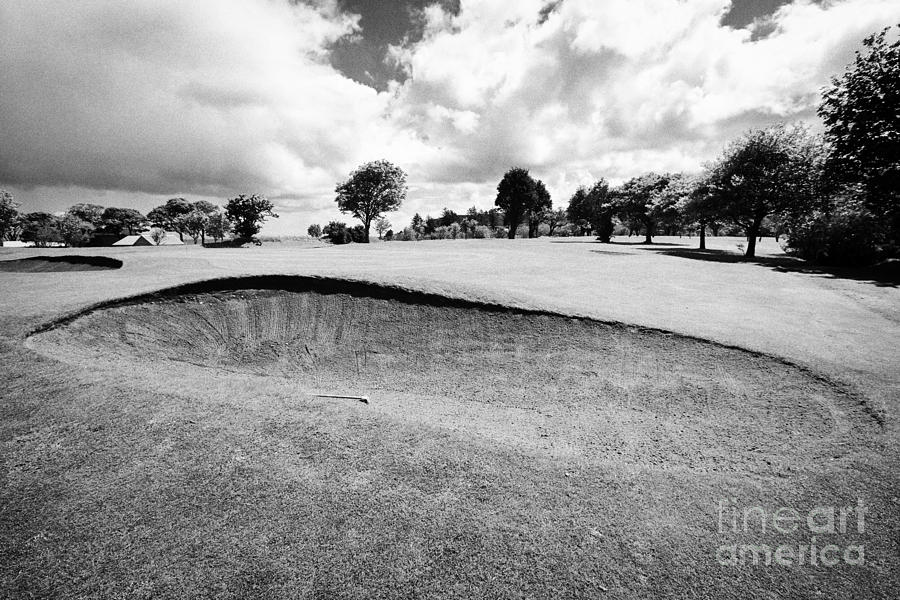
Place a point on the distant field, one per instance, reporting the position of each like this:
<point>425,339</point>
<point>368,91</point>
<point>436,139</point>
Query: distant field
<point>548,418</point>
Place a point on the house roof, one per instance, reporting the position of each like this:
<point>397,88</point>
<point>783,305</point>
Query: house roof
<point>144,239</point>
<point>134,240</point>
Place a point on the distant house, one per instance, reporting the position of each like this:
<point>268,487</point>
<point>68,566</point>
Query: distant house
<point>144,239</point>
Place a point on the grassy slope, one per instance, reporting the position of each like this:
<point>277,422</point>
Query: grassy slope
<point>114,487</point>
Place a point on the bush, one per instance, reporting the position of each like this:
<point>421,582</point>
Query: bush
<point>358,235</point>
<point>337,233</point>
<point>407,235</point>
<point>849,235</point>
<point>481,232</point>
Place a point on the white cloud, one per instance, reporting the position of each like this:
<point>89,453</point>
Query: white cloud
<point>617,88</point>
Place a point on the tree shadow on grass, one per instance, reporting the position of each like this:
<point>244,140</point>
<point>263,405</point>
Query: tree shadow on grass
<point>886,274</point>
<point>584,239</point>
<point>650,245</point>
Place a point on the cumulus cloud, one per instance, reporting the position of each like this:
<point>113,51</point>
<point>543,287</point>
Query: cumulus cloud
<point>206,97</point>
<point>611,89</point>
<point>216,98</point>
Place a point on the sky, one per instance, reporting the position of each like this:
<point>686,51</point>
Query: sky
<point>131,103</point>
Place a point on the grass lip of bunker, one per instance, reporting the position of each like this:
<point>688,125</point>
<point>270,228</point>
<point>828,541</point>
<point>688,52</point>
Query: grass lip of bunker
<point>539,381</point>
<point>66,263</point>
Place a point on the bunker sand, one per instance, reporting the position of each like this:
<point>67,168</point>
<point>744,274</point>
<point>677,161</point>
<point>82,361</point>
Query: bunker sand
<point>537,382</point>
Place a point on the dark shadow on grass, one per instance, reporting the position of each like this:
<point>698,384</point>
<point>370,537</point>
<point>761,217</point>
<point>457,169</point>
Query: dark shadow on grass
<point>659,244</point>
<point>604,251</point>
<point>593,240</point>
<point>51,264</point>
<point>884,275</point>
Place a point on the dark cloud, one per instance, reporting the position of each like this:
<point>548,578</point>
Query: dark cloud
<point>364,57</point>
<point>547,10</point>
<point>755,15</point>
<point>743,13</point>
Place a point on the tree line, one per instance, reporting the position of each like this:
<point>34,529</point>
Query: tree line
<point>85,224</point>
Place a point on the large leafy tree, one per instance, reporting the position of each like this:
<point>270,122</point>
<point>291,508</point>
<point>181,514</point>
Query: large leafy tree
<point>517,196</point>
<point>643,199</point>
<point>592,208</point>
<point>698,206</point>
<point>248,213</point>
<point>196,222</point>
<point>89,213</point>
<point>122,221</point>
<point>773,172</point>
<point>218,226</point>
<point>169,215</point>
<point>73,230</point>
<point>579,211</point>
<point>40,228</point>
<point>9,215</point>
<point>542,209</point>
<point>371,190</point>
<point>861,112</point>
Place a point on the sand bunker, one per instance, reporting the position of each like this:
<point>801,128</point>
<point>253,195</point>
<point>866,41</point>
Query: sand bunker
<point>601,391</point>
<point>45,264</point>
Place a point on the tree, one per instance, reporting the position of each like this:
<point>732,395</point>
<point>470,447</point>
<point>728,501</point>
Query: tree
<point>89,213</point>
<point>194,224</point>
<point>122,221</point>
<point>698,206</point>
<point>248,213</point>
<point>157,234</point>
<point>358,235</point>
<point>600,206</point>
<point>516,195</point>
<point>580,211</point>
<point>337,232</point>
<point>418,225</point>
<point>207,209</point>
<point>218,226</point>
<point>74,231</point>
<point>447,218</point>
<point>167,216</point>
<point>381,226</point>
<point>40,228</point>
<point>861,112</point>
<point>557,220</point>
<point>9,215</point>
<point>374,188</point>
<point>767,172</point>
<point>468,227</point>
<point>314,231</point>
<point>541,210</point>
<point>641,199</point>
